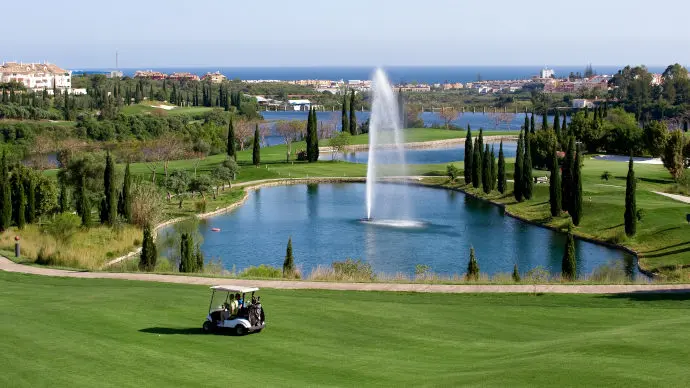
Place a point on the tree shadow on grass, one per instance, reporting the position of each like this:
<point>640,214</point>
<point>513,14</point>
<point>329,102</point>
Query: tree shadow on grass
<point>666,247</point>
<point>654,296</point>
<point>171,330</point>
<point>662,254</point>
<point>615,226</point>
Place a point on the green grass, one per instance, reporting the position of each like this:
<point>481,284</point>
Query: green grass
<point>110,333</point>
<point>413,135</point>
<point>147,108</point>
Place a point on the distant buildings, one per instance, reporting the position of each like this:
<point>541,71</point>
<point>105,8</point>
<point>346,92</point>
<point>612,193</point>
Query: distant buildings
<point>37,76</point>
<point>150,74</point>
<point>214,78</point>
<point>581,103</point>
<point>115,74</point>
<point>183,77</point>
<point>547,73</point>
<point>300,105</point>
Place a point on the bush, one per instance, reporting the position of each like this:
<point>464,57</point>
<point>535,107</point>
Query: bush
<point>605,176</point>
<point>63,227</point>
<point>452,172</point>
<point>353,270</point>
<point>302,155</point>
<point>147,204</point>
<point>262,271</point>
<point>200,206</point>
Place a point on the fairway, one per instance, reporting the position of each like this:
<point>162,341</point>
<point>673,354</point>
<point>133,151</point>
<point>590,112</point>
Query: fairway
<point>78,332</point>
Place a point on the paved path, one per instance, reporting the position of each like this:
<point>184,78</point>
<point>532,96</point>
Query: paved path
<point>9,266</point>
<point>677,197</point>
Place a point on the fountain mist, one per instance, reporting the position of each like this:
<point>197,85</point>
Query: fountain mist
<point>385,131</point>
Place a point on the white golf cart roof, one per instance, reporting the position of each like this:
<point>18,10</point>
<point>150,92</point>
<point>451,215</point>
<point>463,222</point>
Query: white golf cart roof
<point>230,288</point>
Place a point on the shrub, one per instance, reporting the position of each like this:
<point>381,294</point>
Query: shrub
<point>200,206</point>
<point>302,155</point>
<point>262,271</point>
<point>452,172</point>
<point>147,204</point>
<point>516,274</point>
<point>353,270</point>
<point>605,176</point>
<point>421,269</point>
<point>472,266</point>
<point>63,227</point>
<point>538,275</point>
<point>289,263</point>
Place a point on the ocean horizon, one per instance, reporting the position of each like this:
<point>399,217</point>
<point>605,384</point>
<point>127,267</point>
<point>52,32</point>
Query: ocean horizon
<point>397,74</point>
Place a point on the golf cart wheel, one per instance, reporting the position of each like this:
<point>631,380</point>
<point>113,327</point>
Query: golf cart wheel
<point>240,330</point>
<point>208,327</point>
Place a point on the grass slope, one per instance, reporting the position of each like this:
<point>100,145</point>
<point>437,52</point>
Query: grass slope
<point>109,333</point>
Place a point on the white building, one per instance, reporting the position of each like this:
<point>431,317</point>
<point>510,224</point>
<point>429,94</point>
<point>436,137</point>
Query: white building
<point>300,104</point>
<point>546,73</point>
<point>581,103</point>
<point>36,76</point>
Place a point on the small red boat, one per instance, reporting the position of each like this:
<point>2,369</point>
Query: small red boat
<point>215,229</point>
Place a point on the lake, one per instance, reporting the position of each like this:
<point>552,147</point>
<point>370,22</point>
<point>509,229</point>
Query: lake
<point>448,154</point>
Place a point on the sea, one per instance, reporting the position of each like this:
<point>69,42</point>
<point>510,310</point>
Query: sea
<point>396,74</point>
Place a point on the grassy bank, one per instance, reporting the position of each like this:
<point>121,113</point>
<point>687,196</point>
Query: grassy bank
<point>124,333</point>
<point>662,236</point>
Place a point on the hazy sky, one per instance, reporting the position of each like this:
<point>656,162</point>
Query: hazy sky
<point>86,33</point>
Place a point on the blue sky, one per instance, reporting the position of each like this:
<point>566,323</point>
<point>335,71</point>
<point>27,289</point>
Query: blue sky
<point>86,33</point>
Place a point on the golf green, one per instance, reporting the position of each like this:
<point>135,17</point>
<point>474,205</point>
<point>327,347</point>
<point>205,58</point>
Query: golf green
<point>81,332</point>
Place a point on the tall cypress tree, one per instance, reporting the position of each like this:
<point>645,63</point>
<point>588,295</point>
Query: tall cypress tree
<point>289,262</point>
<point>63,200</point>
<point>527,183</point>
<point>314,137</point>
<point>494,169</point>
<point>231,140</point>
<point>19,205</point>
<point>555,185</point>
<point>149,254</point>
<point>476,166</point>
<point>127,196</point>
<point>567,176</point>
<point>569,262</point>
<point>353,116</point>
<point>472,266</point>
<point>110,191</point>
<point>564,126</point>
<point>468,156</point>
<point>544,121</point>
<point>30,192</point>
<point>344,121</point>
<point>486,170</point>
<point>308,138</point>
<point>256,156</point>
<point>84,208</point>
<point>557,124</point>
<point>526,125</point>
<point>501,170</point>
<point>517,173</point>
<point>531,124</point>
<point>5,195</point>
<point>187,261</point>
<point>630,201</point>
<point>480,143</point>
<point>576,212</point>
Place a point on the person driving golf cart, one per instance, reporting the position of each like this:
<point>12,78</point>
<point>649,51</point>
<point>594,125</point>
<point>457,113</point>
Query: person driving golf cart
<point>233,312</point>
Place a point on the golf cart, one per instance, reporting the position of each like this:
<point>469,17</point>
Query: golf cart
<point>230,309</point>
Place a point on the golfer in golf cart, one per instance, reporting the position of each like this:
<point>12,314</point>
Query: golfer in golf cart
<point>231,308</point>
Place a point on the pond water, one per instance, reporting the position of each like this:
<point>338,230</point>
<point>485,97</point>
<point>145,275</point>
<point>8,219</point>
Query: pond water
<point>420,155</point>
<point>324,223</point>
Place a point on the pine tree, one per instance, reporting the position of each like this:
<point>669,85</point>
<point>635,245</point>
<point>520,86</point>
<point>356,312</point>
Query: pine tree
<point>19,205</point>
<point>516,274</point>
<point>527,183</point>
<point>532,128</point>
<point>468,156</point>
<point>544,121</point>
<point>569,263</point>
<point>84,208</point>
<point>630,201</point>
<point>486,170</point>
<point>30,192</point>
<point>476,166</point>
<point>256,156</point>
<point>567,176</point>
<point>555,185</point>
<point>127,196</point>
<point>289,263</point>
<point>231,140</point>
<point>344,121</point>
<point>576,212</point>
<point>353,117</point>
<point>501,170</point>
<point>149,254</point>
<point>517,173</point>
<point>5,195</point>
<point>110,191</point>
<point>472,266</point>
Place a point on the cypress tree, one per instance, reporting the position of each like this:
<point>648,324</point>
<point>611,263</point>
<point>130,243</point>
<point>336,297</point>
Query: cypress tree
<point>486,170</point>
<point>199,258</point>
<point>480,143</point>
<point>344,121</point>
<point>685,126</point>
<point>289,262</point>
<point>516,274</point>
<point>567,176</point>
<point>315,137</point>
<point>564,126</point>
<point>5,195</point>
<point>555,185</point>
<point>557,124</point>
<point>63,200</point>
<point>476,166</point>
<point>127,196</point>
<point>569,262</point>
<point>527,183</point>
<point>231,140</point>
<point>30,192</point>
<point>525,126</point>
<point>468,156</point>
<point>308,138</point>
<point>353,117</point>
<point>494,169</point>
<point>531,124</point>
<point>149,255</point>
<point>110,191</point>
<point>630,201</point>
<point>256,156</point>
<point>576,212</point>
<point>84,208</point>
<point>517,173</point>
<point>501,170</point>
<point>19,205</point>
<point>187,259</point>
<point>472,266</point>
<point>544,121</point>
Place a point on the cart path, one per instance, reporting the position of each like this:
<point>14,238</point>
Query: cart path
<point>10,266</point>
<point>677,197</point>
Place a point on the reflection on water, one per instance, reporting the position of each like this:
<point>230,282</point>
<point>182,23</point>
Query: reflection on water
<point>323,221</point>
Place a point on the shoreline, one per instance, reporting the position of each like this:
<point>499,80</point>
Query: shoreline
<point>431,144</point>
